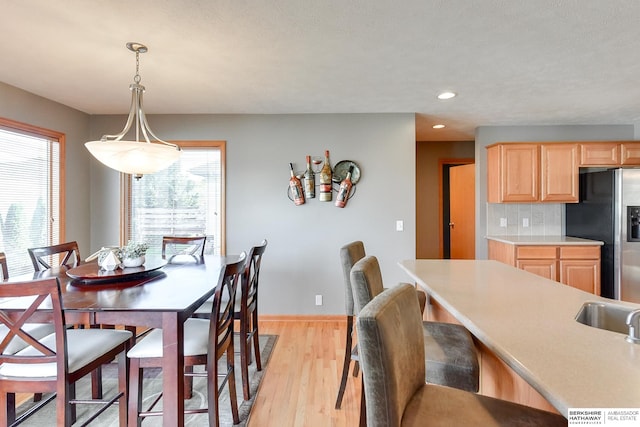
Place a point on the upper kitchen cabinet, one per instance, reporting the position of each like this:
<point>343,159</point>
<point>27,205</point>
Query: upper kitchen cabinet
<point>610,153</point>
<point>532,172</point>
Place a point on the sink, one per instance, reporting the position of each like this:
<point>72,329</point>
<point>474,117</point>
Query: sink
<point>612,317</point>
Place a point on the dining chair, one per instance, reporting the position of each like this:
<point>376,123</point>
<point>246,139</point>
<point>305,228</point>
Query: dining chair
<point>350,254</point>
<point>57,361</point>
<point>246,312</point>
<point>206,341</point>
<point>180,247</point>
<point>392,352</point>
<point>38,330</point>
<point>67,253</point>
<point>450,358</point>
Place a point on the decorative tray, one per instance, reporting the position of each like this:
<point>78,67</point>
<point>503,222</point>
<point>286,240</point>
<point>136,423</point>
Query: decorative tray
<point>342,167</point>
<point>91,272</point>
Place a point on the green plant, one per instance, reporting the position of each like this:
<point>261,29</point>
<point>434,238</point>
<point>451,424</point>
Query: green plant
<point>133,250</point>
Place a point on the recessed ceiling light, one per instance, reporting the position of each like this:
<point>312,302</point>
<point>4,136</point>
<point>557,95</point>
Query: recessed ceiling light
<point>446,95</point>
<point>437,126</point>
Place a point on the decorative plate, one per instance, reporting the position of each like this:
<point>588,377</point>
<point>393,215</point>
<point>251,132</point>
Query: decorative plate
<point>342,167</point>
<point>91,272</point>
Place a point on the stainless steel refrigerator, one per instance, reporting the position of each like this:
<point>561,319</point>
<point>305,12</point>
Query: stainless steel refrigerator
<point>609,210</point>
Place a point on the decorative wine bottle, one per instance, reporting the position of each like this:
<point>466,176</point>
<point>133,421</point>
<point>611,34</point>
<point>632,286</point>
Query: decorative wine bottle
<point>309,181</point>
<point>296,188</point>
<point>345,189</point>
<point>325,179</point>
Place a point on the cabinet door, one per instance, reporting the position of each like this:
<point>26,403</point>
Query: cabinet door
<point>630,153</point>
<point>519,172</point>
<point>541,267</point>
<point>559,167</point>
<point>600,154</point>
<point>581,274</point>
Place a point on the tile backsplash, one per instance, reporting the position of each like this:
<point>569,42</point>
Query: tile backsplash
<point>542,218</point>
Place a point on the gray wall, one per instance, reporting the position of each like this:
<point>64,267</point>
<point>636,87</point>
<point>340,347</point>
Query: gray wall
<point>21,106</point>
<point>302,257</point>
<point>487,135</point>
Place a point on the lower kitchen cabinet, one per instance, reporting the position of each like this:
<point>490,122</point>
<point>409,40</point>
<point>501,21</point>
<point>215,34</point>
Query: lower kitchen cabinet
<point>573,265</point>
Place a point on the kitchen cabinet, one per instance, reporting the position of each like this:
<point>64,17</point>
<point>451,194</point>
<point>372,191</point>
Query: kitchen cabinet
<point>610,153</point>
<point>574,265</point>
<point>532,172</point>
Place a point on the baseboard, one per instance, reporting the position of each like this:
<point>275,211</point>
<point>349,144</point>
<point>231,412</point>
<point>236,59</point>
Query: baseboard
<point>302,318</point>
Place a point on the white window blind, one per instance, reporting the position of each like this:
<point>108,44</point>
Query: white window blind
<point>29,195</point>
<point>183,200</point>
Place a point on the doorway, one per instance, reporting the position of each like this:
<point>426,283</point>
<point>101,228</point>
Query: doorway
<point>430,156</point>
<point>444,167</point>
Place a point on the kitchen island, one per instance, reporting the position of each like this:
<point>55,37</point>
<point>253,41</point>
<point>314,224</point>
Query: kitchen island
<point>528,337</point>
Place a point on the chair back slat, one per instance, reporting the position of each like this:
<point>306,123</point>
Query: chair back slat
<point>3,266</point>
<point>251,276</point>
<point>222,313</point>
<point>192,246</point>
<point>68,254</point>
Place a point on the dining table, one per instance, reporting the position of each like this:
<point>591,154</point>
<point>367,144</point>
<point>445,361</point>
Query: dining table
<point>157,295</point>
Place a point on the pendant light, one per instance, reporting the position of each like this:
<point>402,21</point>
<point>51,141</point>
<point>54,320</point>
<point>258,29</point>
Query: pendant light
<point>135,157</point>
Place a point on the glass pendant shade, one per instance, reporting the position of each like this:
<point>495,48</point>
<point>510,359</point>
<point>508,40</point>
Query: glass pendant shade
<point>135,157</point>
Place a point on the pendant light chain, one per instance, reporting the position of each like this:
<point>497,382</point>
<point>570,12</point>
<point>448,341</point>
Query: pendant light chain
<point>137,77</point>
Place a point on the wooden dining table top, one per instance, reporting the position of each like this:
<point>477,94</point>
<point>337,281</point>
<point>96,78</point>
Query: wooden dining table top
<point>172,287</point>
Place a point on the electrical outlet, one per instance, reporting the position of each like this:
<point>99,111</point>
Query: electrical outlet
<point>525,222</point>
<point>399,225</point>
<point>503,222</point>
<point>318,299</point>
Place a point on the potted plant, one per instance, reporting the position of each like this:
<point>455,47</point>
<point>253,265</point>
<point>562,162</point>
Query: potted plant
<point>132,254</point>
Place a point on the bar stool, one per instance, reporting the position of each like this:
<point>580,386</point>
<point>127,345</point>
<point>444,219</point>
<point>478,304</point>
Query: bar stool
<point>450,354</point>
<point>390,336</point>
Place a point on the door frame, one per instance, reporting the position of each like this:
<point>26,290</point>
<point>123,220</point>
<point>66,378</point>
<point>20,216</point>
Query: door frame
<point>442,197</point>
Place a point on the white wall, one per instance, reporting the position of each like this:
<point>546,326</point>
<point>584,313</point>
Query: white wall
<point>21,106</point>
<point>487,135</point>
<point>302,257</point>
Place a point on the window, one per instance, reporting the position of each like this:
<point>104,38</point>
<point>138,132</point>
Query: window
<point>31,191</point>
<point>185,199</point>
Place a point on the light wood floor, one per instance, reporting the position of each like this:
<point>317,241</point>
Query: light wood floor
<point>301,381</point>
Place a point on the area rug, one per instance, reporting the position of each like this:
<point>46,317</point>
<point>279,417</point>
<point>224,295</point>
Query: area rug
<point>153,385</point>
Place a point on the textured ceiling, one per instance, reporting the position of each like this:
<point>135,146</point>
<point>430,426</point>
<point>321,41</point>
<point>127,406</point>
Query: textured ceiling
<point>512,62</point>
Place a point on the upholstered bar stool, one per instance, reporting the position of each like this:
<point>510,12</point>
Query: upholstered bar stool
<point>450,354</point>
<point>390,336</point>
<point>349,255</point>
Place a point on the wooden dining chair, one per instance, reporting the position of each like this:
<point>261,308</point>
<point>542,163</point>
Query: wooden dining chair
<point>66,253</point>
<point>206,341</point>
<point>57,361</point>
<point>38,330</point>
<point>246,312</point>
<point>390,339</point>
<point>180,247</point>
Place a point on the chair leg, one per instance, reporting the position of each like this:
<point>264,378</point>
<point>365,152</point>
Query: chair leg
<point>363,407</point>
<point>346,362</point>
<point>231,384</point>
<point>96,383</point>
<point>123,387</point>
<point>9,416</point>
<point>135,393</point>
<point>245,343</point>
<point>256,340</point>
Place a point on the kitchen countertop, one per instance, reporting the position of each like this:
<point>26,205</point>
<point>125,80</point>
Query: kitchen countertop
<point>529,322</point>
<point>544,240</point>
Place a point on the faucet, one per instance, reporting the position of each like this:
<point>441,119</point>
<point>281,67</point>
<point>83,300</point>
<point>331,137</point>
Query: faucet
<point>633,321</point>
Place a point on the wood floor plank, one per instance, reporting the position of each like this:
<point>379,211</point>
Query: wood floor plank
<point>301,381</point>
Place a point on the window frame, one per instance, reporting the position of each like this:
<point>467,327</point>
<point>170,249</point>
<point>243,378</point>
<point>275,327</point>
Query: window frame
<point>125,191</point>
<point>60,138</point>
